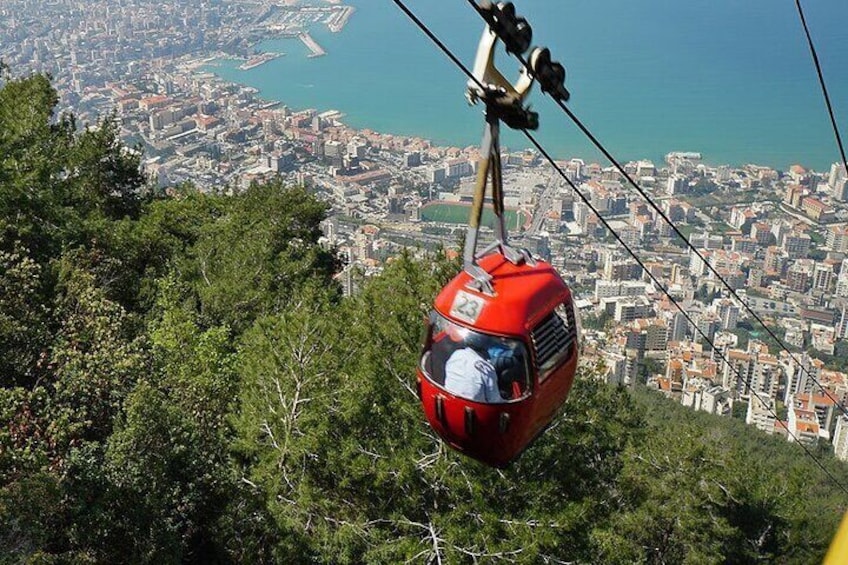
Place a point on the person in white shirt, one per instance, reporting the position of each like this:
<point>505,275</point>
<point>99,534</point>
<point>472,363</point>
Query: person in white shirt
<point>469,375</point>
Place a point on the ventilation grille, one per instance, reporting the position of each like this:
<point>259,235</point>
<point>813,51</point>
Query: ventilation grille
<point>553,339</point>
<point>569,312</point>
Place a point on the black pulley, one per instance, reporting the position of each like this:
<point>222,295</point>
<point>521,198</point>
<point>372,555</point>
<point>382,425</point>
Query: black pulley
<point>549,74</point>
<point>514,31</point>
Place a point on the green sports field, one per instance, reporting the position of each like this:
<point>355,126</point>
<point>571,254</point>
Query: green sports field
<point>458,214</point>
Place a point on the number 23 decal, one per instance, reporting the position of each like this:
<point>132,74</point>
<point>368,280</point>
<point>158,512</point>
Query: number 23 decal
<point>467,307</point>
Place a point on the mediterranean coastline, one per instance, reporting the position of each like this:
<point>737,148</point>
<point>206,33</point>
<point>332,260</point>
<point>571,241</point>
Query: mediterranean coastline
<point>764,116</point>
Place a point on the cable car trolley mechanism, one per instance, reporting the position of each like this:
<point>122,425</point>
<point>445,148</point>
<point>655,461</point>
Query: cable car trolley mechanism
<point>502,340</point>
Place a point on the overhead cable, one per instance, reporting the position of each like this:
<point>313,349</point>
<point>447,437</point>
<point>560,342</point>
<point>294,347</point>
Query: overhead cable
<point>815,57</point>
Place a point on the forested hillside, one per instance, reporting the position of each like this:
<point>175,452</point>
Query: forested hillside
<point>182,381</point>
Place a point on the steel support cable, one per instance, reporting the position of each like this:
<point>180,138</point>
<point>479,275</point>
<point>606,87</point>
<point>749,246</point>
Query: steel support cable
<point>815,56</point>
<point>594,140</point>
<point>632,253</point>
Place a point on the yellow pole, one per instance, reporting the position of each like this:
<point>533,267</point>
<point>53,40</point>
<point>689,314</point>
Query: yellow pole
<point>838,553</point>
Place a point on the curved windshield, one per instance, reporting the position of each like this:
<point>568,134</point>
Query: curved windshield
<point>474,365</point>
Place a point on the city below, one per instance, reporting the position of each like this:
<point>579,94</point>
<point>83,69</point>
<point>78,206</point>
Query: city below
<point>779,238</point>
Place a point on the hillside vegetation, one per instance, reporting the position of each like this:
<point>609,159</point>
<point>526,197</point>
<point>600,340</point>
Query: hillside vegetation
<point>182,381</point>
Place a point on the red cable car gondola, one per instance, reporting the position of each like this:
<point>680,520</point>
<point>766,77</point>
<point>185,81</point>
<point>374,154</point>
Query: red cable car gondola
<point>527,331</point>
<point>502,342</point>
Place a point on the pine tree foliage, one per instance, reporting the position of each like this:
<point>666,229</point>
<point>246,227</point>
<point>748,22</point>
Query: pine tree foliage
<point>182,381</point>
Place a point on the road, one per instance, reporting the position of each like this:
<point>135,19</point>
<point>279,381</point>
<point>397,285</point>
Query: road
<point>540,213</point>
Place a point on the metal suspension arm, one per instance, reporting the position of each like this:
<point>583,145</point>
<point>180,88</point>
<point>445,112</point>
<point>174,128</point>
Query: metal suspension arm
<point>486,165</point>
<point>504,102</point>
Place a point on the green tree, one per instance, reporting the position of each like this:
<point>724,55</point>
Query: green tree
<point>104,175</point>
<point>169,458</point>
<point>132,255</point>
<point>701,488</point>
<point>24,319</point>
<point>95,360</point>
<point>253,258</point>
<point>88,369</point>
<point>180,380</point>
<point>32,152</point>
<point>740,410</point>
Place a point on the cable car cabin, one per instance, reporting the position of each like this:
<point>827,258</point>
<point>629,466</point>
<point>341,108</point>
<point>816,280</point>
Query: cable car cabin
<point>496,368</point>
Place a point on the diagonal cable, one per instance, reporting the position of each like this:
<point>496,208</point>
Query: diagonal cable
<point>594,140</point>
<point>606,224</point>
<point>815,57</point>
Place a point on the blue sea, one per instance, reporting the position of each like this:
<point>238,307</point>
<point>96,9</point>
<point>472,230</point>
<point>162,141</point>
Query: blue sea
<point>732,79</point>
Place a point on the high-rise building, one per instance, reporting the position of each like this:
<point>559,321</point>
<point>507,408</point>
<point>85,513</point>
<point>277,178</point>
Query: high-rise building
<point>842,326</point>
<point>837,174</point>
<point>842,280</point>
<point>728,312</point>
<point>357,148</point>
<point>752,372</point>
<point>775,261</point>
<point>840,438</point>
<point>803,426</point>
<point>457,168</point>
<point>706,240</point>
<point>744,244</point>
<point>761,232</point>
<point>677,184</point>
<point>793,195</point>
<point>801,379</point>
<point>577,166</point>
<point>823,277</point>
<point>837,239</point>
<point>755,276</point>
<point>614,288</point>
<point>761,412</point>
<point>708,324</point>
<point>673,210</point>
<point>798,277</point>
<point>779,231</point>
<point>617,366</point>
<point>839,190</point>
<point>766,374</point>
<point>797,244</point>
<point>679,327</point>
<point>811,417</point>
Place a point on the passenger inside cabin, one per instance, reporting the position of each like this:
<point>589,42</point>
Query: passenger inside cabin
<point>473,365</point>
<point>470,375</point>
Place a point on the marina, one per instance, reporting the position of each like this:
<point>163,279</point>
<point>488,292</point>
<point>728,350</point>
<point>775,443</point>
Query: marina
<point>339,19</point>
<point>293,18</point>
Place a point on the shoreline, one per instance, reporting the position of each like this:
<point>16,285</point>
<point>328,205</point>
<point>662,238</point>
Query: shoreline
<point>436,142</point>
